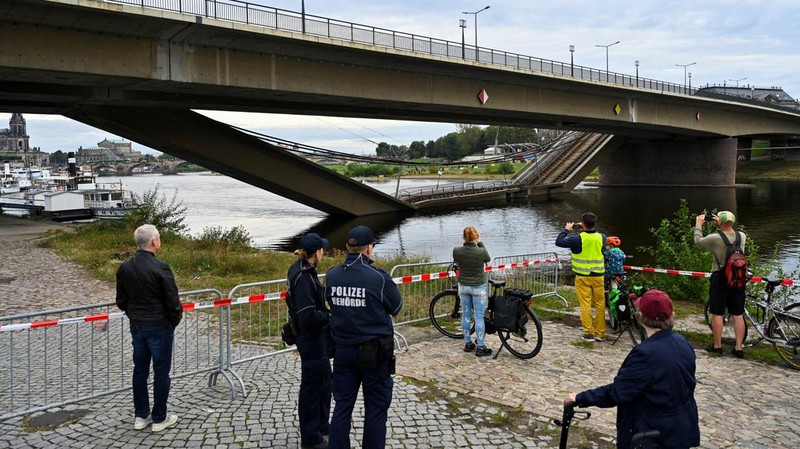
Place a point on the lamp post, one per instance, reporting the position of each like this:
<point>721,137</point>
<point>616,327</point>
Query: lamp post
<point>303,14</point>
<point>571,60</point>
<point>684,70</point>
<point>476,27</point>
<point>737,81</point>
<point>606,47</point>
<point>637,72</point>
<point>690,81</point>
<point>463,24</point>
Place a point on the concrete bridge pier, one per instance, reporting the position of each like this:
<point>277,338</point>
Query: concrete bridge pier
<point>700,162</point>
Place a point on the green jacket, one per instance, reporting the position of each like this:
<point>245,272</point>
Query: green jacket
<point>471,258</point>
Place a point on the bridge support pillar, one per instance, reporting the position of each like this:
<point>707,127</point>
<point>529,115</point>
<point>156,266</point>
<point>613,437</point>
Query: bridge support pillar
<point>701,162</point>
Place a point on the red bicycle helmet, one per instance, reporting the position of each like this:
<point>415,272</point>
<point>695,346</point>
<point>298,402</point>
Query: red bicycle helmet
<point>613,240</point>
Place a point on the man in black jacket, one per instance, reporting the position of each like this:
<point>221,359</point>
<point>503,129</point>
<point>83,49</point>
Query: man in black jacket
<point>147,293</point>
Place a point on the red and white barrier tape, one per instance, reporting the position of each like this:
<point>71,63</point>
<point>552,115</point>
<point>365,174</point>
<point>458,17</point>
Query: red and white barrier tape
<point>256,298</point>
<point>754,279</point>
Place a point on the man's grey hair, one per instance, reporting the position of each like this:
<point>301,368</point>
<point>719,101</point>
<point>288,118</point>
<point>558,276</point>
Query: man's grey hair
<point>144,234</point>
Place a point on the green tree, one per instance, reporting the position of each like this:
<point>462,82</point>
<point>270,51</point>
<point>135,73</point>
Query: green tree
<point>417,150</point>
<point>166,214</point>
<point>470,139</point>
<point>58,158</point>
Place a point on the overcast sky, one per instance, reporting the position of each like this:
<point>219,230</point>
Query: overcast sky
<point>755,42</point>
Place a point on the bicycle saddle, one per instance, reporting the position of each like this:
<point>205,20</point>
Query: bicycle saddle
<point>497,283</point>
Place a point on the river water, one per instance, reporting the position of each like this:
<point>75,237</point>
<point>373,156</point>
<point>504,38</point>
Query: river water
<point>768,210</point>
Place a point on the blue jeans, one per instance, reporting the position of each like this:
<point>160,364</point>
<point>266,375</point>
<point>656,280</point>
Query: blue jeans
<point>377,387</point>
<point>473,302</point>
<point>151,342</point>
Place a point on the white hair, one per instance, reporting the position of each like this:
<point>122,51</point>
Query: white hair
<point>145,234</point>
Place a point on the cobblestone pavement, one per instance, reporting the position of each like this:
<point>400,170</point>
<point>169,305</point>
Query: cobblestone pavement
<point>742,403</point>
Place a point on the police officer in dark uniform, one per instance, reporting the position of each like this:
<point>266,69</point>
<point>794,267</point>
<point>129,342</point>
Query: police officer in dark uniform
<point>307,309</point>
<point>363,300</point>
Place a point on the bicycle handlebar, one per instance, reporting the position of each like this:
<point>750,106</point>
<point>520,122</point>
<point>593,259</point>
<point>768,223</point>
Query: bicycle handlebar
<point>566,421</point>
<point>641,436</point>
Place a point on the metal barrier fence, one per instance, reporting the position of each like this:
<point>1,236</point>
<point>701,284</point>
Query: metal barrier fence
<point>537,272</point>
<point>66,358</point>
<point>254,327</point>
<point>63,356</point>
<point>417,293</point>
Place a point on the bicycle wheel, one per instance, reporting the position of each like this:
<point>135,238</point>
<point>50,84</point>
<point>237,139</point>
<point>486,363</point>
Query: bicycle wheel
<point>784,330</point>
<point>445,313</point>
<point>728,334</point>
<point>612,322</point>
<point>636,331</point>
<point>527,341</point>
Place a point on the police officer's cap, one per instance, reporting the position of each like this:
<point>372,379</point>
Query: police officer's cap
<point>312,242</point>
<point>361,236</point>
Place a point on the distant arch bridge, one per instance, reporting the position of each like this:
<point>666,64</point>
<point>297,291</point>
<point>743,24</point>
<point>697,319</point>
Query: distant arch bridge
<point>127,168</point>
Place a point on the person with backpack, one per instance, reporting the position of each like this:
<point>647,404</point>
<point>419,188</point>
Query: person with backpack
<point>614,260</point>
<point>728,276</point>
<point>306,301</point>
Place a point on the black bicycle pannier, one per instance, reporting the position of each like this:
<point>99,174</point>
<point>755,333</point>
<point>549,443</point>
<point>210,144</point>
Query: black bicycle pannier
<point>506,312</point>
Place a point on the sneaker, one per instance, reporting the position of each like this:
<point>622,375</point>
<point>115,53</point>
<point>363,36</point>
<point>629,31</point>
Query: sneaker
<point>739,354</point>
<point>321,445</point>
<point>599,339</point>
<point>482,351</point>
<point>141,423</point>
<point>587,337</point>
<point>469,347</point>
<point>171,421</point>
<point>713,350</point>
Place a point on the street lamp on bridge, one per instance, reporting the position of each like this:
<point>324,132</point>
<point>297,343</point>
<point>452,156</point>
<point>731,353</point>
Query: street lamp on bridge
<point>636,62</point>
<point>737,81</point>
<point>463,24</point>
<point>606,47</point>
<point>571,60</point>
<point>690,81</point>
<point>476,27</point>
<point>684,70</point>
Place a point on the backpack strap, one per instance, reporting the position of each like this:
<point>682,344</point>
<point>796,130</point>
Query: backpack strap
<point>725,238</point>
<point>727,245</point>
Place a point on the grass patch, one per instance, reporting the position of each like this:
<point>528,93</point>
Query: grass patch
<point>767,170</point>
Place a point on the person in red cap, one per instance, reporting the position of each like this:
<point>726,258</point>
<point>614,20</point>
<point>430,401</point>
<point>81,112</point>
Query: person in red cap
<point>654,387</point>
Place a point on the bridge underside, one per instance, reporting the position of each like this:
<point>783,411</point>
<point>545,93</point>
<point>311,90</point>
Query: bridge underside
<point>218,147</point>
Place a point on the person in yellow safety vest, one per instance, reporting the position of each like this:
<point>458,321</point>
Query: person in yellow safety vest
<point>588,266</point>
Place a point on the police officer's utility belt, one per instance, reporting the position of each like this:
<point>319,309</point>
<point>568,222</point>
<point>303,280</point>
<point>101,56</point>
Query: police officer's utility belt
<point>373,352</point>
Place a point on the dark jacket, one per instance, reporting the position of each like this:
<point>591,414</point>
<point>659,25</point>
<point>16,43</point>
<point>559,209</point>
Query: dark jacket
<point>471,257</point>
<point>653,390</point>
<point>306,297</point>
<point>146,290</point>
<point>362,299</point>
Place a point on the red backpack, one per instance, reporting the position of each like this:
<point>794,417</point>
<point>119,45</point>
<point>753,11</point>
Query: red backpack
<point>735,268</point>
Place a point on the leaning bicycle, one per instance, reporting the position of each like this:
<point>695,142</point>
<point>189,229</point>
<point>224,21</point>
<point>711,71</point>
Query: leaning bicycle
<point>621,311</point>
<point>775,324</point>
<point>523,341</point>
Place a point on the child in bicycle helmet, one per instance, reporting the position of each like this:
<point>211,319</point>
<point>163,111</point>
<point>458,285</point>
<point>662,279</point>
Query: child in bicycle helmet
<point>614,257</point>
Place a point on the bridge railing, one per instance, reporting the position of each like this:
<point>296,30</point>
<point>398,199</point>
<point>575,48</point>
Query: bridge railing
<point>451,189</point>
<point>276,18</point>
